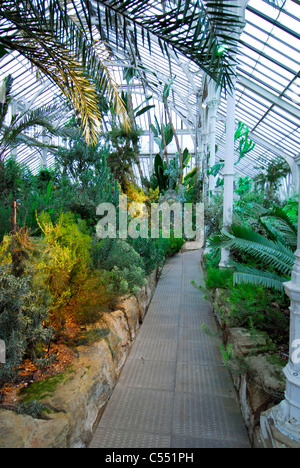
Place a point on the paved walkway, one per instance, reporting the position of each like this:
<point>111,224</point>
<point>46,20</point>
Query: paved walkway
<point>174,391</point>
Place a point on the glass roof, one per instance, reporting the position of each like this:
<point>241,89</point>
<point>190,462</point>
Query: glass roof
<point>267,91</point>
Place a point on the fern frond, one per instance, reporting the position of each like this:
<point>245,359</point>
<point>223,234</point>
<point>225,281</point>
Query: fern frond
<point>244,274</point>
<point>250,242</point>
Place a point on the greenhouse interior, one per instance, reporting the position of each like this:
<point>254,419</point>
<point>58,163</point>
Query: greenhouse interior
<point>149,246</point>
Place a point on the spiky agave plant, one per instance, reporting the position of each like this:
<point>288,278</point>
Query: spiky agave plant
<point>272,251</point>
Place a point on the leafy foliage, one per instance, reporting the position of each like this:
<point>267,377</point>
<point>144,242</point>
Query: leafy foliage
<point>186,27</point>
<point>125,149</point>
<point>271,177</point>
<point>64,54</point>
<point>64,260</point>
<point>248,305</point>
<point>124,268</point>
<point>263,253</point>
<point>23,323</point>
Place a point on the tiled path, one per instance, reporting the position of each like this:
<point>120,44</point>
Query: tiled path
<point>174,391</point>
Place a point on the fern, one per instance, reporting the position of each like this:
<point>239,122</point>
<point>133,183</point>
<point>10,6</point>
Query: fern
<point>244,274</point>
<point>274,251</point>
<point>250,242</point>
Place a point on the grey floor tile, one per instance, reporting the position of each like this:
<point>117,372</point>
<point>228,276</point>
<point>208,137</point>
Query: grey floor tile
<point>174,391</point>
<point>204,379</point>
<point>206,443</point>
<point>139,409</point>
<point>208,416</point>
<point>140,373</point>
<point>161,350</point>
<point>199,353</point>
<point>116,438</point>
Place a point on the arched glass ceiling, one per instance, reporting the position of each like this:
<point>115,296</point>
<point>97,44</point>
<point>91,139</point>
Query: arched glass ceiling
<point>268,86</point>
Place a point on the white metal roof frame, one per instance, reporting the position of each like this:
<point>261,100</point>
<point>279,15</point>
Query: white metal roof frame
<point>268,85</point>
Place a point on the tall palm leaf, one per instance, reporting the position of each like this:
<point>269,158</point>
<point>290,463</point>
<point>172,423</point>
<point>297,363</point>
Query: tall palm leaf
<point>14,132</point>
<point>193,28</point>
<point>277,224</point>
<point>60,38</point>
<point>45,33</point>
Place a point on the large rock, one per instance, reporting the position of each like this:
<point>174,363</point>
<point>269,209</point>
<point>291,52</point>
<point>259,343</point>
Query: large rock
<point>18,431</point>
<point>74,405</point>
<point>257,375</point>
<point>245,342</point>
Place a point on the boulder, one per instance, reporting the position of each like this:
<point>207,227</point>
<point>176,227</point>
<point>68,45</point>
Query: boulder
<point>244,342</point>
<point>20,431</point>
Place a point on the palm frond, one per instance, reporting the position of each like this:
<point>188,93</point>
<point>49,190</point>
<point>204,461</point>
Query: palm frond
<point>193,28</point>
<point>58,46</point>
<point>244,274</point>
<point>13,134</point>
<point>250,242</point>
<point>281,216</point>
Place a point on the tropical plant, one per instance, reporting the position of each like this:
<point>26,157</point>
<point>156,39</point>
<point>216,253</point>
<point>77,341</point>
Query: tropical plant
<point>63,262</point>
<point>163,136</point>
<point>123,154</point>
<point>61,40</point>
<point>264,258</point>
<point>168,176</point>
<point>270,178</point>
<point>243,185</point>
<point>193,28</point>
<point>245,145</point>
<point>14,132</point>
<point>121,264</point>
<point>133,113</point>
<point>60,45</point>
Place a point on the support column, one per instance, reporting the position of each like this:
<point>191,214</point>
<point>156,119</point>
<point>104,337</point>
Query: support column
<point>230,131</point>
<point>228,171</point>
<point>281,426</point>
<point>46,141</point>
<point>212,108</point>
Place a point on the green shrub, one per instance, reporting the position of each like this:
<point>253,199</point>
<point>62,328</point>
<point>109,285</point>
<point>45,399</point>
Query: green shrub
<point>154,252</point>
<point>65,260</point>
<point>216,278</point>
<point>23,323</point>
<point>258,308</point>
<point>123,267</point>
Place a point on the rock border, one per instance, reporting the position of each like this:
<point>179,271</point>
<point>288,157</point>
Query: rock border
<point>256,374</point>
<point>78,402</point>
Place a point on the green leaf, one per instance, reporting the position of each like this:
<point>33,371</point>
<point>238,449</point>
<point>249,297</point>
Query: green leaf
<point>144,110</point>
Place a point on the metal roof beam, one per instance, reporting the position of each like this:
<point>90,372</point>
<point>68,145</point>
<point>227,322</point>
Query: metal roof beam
<point>263,92</point>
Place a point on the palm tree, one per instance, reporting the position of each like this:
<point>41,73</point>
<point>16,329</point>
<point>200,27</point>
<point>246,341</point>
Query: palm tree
<point>14,132</point>
<point>65,41</point>
<point>44,32</point>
